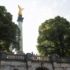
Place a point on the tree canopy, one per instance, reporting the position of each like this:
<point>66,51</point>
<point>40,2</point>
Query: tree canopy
<point>54,37</point>
<point>9,31</point>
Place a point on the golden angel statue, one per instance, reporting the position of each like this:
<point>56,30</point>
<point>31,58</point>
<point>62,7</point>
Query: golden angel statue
<point>20,10</point>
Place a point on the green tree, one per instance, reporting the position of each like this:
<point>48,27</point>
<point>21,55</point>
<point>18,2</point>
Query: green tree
<point>9,31</point>
<point>54,37</point>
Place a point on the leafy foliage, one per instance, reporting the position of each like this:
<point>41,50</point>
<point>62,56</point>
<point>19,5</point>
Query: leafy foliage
<point>9,31</point>
<point>54,37</point>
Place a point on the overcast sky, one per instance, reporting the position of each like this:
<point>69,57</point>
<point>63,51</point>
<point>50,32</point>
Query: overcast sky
<point>35,12</point>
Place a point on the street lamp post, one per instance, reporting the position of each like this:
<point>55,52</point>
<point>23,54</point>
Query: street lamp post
<point>26,60</point>
<point>50,58</point>
<point>52,62</point>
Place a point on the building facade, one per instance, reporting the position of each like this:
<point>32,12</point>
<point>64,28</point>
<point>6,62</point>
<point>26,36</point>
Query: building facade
<point>9,61</point>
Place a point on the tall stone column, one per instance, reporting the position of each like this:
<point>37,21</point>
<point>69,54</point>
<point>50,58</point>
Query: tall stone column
<point>20,21</point>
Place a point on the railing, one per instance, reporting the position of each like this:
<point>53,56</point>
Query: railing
<point>15,57</point>
<point>10,56</point>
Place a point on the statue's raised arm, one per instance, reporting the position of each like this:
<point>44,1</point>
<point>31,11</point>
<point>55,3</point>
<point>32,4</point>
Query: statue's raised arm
<point>20,10</point>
